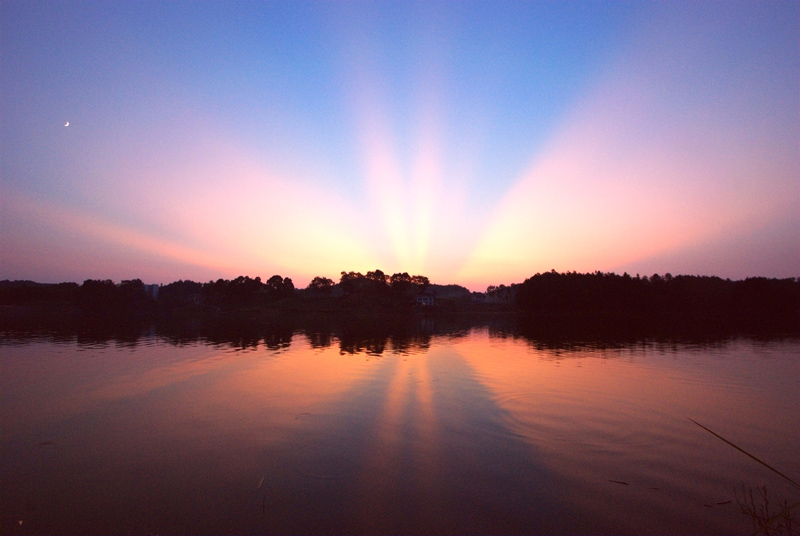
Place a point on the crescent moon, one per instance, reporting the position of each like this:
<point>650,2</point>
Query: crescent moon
<point>66,124</point>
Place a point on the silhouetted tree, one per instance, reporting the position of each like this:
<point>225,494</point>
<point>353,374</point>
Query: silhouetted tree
<point>104,297</point>
<point>278,287</point>
<point>180,293</point>
<point>288,286</point>
<point>351,282</point>
<point>500,293</point>
<point>378,278</point>
<point>132,297</point>
<point>320,286</point>
<point>401,284</point>
<point>421,282</point>
<point>96,295</point>
<point>29,292</point>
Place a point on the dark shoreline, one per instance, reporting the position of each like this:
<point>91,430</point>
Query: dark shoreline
<point>549,308</point>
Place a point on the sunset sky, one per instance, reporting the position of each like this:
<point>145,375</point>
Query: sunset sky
<point>476,143</point>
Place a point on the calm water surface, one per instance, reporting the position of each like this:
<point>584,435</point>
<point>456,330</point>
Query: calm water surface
<point>460,433</point>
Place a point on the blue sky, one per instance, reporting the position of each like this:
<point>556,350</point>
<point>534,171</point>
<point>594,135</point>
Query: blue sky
<point>474,142</point>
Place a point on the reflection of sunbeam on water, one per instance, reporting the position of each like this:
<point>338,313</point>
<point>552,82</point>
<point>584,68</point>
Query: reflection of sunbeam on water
<point>403,442</point>
<point>418,447</point>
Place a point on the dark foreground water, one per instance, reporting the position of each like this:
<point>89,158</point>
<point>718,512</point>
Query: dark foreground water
<point>467,432</point>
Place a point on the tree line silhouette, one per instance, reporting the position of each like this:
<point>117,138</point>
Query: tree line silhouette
<point>134,297</point>
<point>754,304</point>
<point>603,292</point>
<point>545,297</point>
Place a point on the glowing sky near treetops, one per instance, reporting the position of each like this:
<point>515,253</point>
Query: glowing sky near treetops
<point>475,143</point>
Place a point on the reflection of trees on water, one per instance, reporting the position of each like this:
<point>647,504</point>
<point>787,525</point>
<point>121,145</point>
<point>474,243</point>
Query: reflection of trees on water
<point>377,336</point>
<point>319,339</point>
<point>376,346</point>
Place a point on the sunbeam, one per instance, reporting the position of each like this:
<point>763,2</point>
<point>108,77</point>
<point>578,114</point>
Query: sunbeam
<point>470,144</point>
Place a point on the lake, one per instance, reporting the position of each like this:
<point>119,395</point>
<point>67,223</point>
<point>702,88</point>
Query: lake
<point>469,430</point>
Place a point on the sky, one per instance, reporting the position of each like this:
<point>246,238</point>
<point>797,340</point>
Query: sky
<point>476,143</point>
